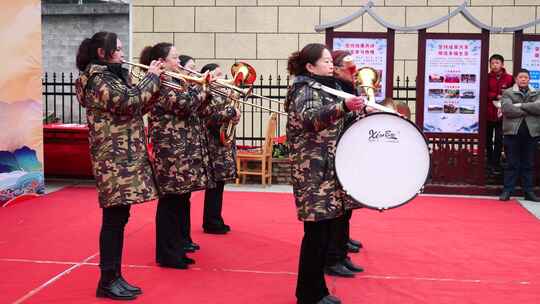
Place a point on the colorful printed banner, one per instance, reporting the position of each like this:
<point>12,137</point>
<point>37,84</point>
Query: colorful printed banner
<point>21,123</point>
<point>530,60</point>
<point>452,86</point>
<point>369,52</point>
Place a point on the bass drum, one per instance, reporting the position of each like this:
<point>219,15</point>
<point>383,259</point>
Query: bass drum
<point>382,161</point>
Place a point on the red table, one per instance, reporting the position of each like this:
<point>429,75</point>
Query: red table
<point>65,150</point>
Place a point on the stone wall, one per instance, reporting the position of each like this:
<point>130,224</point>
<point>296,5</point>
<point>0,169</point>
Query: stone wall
<point>265,32</point>
<point>64,26</point>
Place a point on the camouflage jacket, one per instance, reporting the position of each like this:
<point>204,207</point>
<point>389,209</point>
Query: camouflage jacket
<point>116,133</point>
<point>314,125</point>
<point>223,157</point>
<point>180,144</point>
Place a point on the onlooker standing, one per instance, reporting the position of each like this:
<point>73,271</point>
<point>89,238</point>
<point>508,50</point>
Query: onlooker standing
<point>498,81</point>
<point>521,127</point>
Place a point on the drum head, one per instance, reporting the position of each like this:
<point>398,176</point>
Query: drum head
<point>382,161</point>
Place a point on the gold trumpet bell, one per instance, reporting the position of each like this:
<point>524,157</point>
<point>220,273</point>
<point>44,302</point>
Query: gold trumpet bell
<point>368,79</point>
<point>243,74</point>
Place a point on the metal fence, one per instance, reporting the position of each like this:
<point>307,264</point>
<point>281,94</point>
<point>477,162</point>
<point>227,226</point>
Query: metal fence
<point>61,105</point>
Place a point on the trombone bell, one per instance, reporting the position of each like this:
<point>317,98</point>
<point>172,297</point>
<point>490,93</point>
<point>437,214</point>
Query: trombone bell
<point>243,74</point>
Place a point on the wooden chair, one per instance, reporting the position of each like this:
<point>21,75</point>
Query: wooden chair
<point>262,155</point>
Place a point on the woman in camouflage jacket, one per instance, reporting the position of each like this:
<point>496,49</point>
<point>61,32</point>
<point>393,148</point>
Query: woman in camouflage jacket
<point>219,113</point>
<point>181,160</point>
<point>315,121</point>
<point>118,147</point>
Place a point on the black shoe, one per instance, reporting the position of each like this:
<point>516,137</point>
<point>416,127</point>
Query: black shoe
<point>333,299</point>
<point>176,265</point>
<point>530,196</point>
<point>114,290</point>
<point>347,262</point>
<point>216,230</point>
<point>356,243</point>
<point>227,227</point>
<point>339,270</point>
<point>329,299</point>
<point>188,261</point>
<point>191,247</point>
<point>352,248</point>
<point>188,248</point>
<point>505,196</point>
<point>131,288</point>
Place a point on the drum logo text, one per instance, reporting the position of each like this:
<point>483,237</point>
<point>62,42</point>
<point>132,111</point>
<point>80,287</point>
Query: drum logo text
<point>383,135</point>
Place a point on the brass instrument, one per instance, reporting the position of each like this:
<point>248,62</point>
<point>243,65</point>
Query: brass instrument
<point>224,87</point>
<point>369,80</point>
<point>242,74</point>
<point>202,80</point>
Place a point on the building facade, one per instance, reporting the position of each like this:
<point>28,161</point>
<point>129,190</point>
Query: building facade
<point>265,32</point>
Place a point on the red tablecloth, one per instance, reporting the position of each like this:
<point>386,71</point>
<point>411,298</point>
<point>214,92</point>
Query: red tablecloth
<point>66,151</point>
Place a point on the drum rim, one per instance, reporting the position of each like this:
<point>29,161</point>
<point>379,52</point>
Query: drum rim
<point>425,181</point>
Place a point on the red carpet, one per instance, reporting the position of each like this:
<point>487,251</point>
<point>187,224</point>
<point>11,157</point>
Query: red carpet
<point>433,250</point>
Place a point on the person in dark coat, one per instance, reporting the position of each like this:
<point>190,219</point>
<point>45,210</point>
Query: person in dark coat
<point>219,113</point>
<point>314,124</point>
<point>119,157</point>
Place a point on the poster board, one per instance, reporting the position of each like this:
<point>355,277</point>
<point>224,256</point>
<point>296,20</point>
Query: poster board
<point>458,80</point>
<point>527,56</point>
<point>374,50</point>
<point>21,122</point>
<point>452,86</point>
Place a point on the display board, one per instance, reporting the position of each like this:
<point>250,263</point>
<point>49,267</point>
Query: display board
<point>21,122</point>
<point>375,50</point>
<point>367,52</point>
<point>452,86</point>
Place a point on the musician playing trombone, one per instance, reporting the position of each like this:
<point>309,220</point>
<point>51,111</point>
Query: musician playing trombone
<point>219,113</point>
<point>182,163</point>
<point>120,161</point>
<point>314,124</point>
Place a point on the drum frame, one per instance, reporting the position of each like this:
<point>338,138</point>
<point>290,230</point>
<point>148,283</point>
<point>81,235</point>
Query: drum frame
<point>425,181</point>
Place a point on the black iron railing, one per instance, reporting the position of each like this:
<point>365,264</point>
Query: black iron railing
<point>60,104</point>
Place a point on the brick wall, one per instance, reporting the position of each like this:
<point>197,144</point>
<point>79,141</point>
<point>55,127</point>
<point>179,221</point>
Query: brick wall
<point>265,32</point>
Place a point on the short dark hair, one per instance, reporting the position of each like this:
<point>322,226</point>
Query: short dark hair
<point>184,59</point>
<point>209,67</point>
<point>338,56</point>
<point>523,71</point>
<point>296,65</point>
<point>88,50</point>
<point>496,57</point>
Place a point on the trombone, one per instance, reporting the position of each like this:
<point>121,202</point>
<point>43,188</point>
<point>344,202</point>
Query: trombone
<point>202,80</point>
<point>242,74</point>
<point>225,88</point>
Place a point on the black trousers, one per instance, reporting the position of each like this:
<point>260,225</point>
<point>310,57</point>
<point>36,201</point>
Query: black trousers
<point>520,150</point>
<point>111,237</point>
<point>494,142</point>
<point>337,246</point>
<point>185,217</point>
<point>311,286</point>
<point>170,215</point>
<point>213,204</point>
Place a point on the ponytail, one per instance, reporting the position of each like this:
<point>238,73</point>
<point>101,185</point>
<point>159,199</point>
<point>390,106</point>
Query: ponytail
<point>88,49</point>
<point>293,65</point>
<point>83,54</point>
<point>296,64</point>
<point>156,52</point>
<point>145,55</point>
